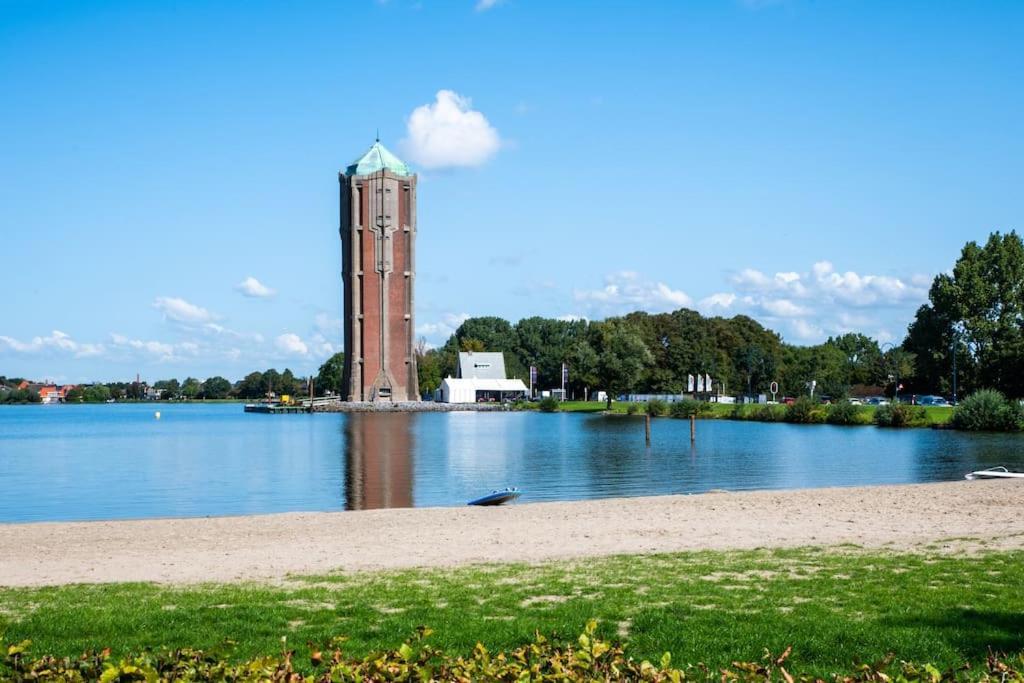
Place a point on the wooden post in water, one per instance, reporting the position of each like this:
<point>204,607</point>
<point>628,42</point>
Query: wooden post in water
<point>693,428</point>
<point>311,394</point>
<point>647,428</point>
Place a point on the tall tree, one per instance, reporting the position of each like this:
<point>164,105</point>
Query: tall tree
<point>191,387</point>
<point>863,357</point>
<point>978,312</point>
<point>546,343</point>
<point>329,377</point>
<point>170,387</point>
<point>622,356</point>
<point>217,387</point>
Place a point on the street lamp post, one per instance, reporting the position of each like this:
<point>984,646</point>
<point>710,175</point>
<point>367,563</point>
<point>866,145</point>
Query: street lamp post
<point>952,351</point>
<point>895,375</point>
<point>956,333</point>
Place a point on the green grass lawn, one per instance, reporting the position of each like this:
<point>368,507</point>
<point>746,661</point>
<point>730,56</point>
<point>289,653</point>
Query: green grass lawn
<point>833,607</point>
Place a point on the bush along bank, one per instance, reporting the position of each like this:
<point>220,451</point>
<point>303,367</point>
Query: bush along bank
<point>588,659</point>
<point>988,410</point>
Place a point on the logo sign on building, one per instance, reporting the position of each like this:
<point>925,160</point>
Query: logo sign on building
<point>689,383</point>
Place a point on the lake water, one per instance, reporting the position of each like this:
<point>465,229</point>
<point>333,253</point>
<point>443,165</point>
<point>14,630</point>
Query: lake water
<point>117,461</point>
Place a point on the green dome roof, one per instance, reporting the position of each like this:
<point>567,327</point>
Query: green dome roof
<point>378,158</point>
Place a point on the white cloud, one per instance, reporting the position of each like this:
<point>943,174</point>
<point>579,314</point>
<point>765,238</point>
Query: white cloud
<point>181,311</point>
<point>55,341</point>
<point>806,330</point>
<point>291,344</point>
<point>444,327</point>
<point>327,324</point>
<point>322,346</point>
<point>218,330</point>
<point>484,5</point>
<point>253,288</point>
<point>625,291</point>
<point>823,301</point>
<point>156,350</point>
<point>806,307</point>
<point>784,308</point>
<point>717,303</point>
<point>448,133</point>
<point>866,290</point>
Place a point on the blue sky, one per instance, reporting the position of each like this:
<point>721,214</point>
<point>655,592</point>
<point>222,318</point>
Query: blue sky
<point>168,171</point>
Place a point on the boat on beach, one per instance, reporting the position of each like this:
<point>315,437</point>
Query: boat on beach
<point>497,497</point>
<point>999,472</point>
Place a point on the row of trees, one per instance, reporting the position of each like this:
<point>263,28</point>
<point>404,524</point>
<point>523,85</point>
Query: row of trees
<point>974,318</point>
<point>654,353</point>
<point>255,385</point>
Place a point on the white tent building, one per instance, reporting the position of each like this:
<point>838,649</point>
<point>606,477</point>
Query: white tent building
<point>481,379</point>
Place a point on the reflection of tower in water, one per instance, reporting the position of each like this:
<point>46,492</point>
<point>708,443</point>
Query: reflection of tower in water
<point>378,461</point>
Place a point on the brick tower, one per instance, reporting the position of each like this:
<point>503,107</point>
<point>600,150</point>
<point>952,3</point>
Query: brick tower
<point>378,255</point>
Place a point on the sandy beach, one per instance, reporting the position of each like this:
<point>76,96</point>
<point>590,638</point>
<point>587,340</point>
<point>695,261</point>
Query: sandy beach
<point>269,547</point>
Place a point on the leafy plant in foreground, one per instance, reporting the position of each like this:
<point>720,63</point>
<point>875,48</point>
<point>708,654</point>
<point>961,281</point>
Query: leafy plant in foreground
<point>588,659</point>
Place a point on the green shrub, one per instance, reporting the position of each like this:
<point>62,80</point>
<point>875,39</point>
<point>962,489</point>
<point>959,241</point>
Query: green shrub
<point>805,410</point>
<point>768,413</point>
<point>759,412</point>
<point>656,407</point>
<point>738,412</point>
<point>844,413</point>
<point>548,404</point>
<point>587,659</point>
<point>688,408</point>
<point>988,410</point>
<point>901,415</point>
<point>632,408</point>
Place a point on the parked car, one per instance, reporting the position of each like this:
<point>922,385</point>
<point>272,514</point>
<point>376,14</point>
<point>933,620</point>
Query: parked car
<point>856,402</point>
<point>877,401</point>
<point>935,401</point>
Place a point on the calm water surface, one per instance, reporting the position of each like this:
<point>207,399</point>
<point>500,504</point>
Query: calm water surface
<point>117,461</point>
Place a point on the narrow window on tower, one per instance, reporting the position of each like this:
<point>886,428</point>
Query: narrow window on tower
<point>359,203</point>
<point>406,221</point>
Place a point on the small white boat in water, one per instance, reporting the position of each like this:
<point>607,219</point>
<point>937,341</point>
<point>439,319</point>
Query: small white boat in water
<point>994,473</point>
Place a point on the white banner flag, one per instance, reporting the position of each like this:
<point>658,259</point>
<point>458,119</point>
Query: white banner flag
<point>689,383</point>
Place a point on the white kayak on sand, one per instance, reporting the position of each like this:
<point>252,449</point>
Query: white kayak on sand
<point>994,473</point>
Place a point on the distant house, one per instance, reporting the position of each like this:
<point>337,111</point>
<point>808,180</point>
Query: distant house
<point>49,393</point>
<point>480,378</point>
